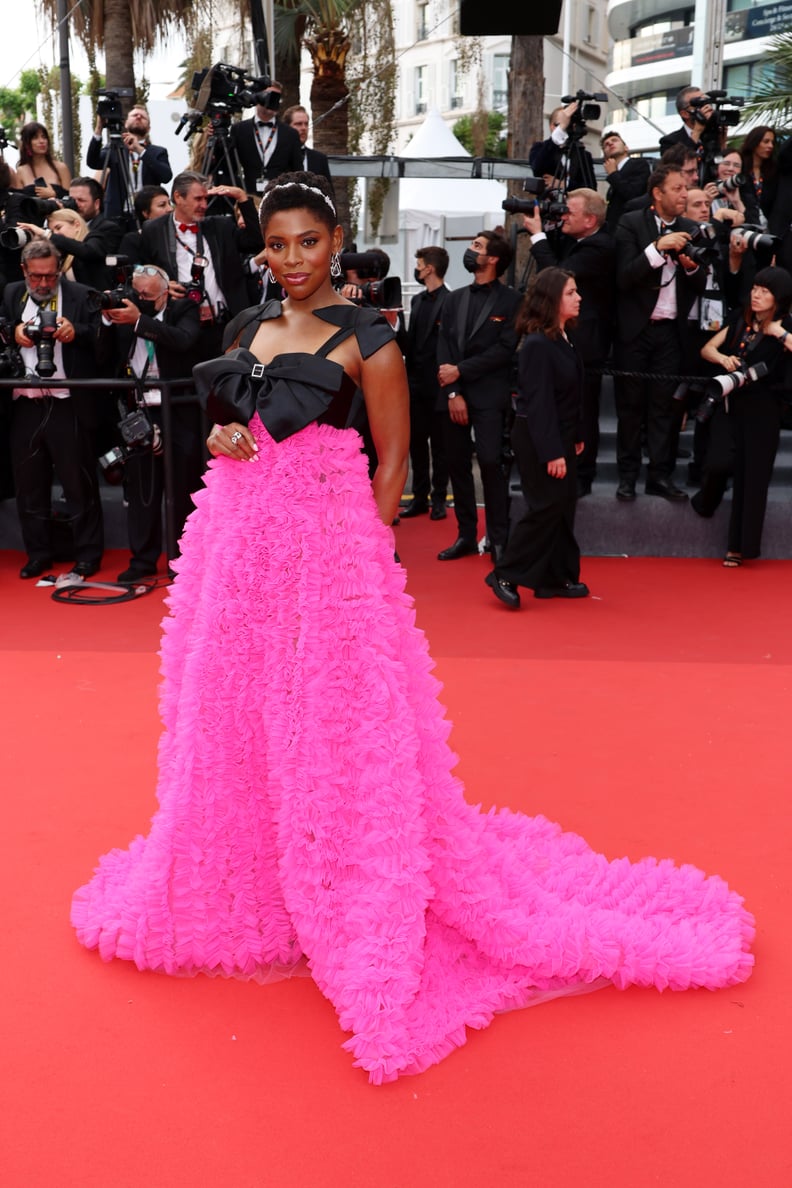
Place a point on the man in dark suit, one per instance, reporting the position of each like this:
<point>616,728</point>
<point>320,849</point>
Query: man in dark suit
<point>476,349</point>
<point>52,427</point>
<point>560,160</point>
<point>695,117</point>
<point>657,286</point>
<point>589,252</point>
<point>104,236</point>
<point>136,162</point>
<point>296,117</point>
<point>627,176</point>
<point>178,243</point>
<point>264,146</point>
<point>427,424</point>
<point>155,335</point>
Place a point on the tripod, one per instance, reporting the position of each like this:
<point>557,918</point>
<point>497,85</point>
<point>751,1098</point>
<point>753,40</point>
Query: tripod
<point>221,162</point>
<point>118,159</point>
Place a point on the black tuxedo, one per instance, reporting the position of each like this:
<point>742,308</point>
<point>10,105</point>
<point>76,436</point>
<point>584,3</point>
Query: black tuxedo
<point>593,261</point>
<point>623,185</point>
<point>546,157</point>
<point>175,337</point>
<point>226,243</point>
<point>287,154</point>
<point>49,434</point>
<point>155,170</point>
<point>477,335</point>
<point>103,238</point>
<point>316,162</point>
<point>651,346</point>
<point>427,424</point>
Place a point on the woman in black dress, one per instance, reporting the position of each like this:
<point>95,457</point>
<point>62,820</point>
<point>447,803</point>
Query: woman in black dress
<point>542,552</point>
<point>746,426</point>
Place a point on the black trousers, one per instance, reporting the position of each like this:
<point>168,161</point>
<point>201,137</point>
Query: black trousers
<point>542,550</point>
<point>48,438</point>
<point>657,350</point>
<point>587,459</point>
<point>427,443</point>
<point>488,425</point>
<point>757,428</point>
<point>144,483</point>
<point>718,464</point>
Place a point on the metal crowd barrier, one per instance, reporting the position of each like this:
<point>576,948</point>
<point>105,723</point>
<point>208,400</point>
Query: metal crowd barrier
<point>172,393</point>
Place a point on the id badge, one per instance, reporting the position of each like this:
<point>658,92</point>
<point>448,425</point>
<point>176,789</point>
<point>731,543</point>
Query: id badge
<point>260,184</point>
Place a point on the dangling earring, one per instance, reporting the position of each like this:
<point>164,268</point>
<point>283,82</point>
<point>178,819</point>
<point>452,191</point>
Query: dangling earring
<point>270,277</point>
<point>335,265</point>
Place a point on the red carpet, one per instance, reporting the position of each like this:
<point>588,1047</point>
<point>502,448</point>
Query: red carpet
<point>651,718</point>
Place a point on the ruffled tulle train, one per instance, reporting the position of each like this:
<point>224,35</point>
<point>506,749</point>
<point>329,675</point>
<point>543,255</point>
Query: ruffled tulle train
<point>307,807</point>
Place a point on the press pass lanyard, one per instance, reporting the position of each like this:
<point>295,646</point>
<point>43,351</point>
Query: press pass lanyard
<point>263,147</point>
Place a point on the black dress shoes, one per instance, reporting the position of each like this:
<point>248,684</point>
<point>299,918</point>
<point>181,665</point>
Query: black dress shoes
<point>568,590</point>
<point>666,490</point>
<point>35,567</point>
<point>626,491</point>
<point>85,569</point>
<point>506,592</point>
<point>416,508</point>
<point>438,511</point>
<point>460,548</point>
<point>136,573</point>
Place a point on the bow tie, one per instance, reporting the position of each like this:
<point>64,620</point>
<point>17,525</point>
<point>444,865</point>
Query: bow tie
<point>474,288</point>
<point>265,123</point>
<point>188,227</point>
<point>666,227</point>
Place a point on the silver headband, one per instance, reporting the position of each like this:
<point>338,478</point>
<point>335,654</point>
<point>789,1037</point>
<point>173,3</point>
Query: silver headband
<point>303,186</point>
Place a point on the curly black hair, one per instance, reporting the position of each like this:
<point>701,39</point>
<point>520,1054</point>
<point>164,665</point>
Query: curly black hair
<point>295,191</point>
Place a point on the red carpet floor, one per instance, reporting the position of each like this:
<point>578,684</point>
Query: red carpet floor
<point>653,717</point>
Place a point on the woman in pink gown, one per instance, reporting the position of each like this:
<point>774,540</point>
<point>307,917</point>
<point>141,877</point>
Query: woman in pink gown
<point>308,818</point>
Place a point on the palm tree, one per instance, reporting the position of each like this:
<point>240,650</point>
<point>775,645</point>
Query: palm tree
<point>771,102</point>
<point>121,27</point>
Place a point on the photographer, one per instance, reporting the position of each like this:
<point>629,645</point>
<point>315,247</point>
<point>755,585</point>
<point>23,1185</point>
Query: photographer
<point>131,161</point>
<point>657,285</point>
<point>695,115</point>
<point>589,253</point>
<point>150,334</point>
<point>746,424</point>
<point>554,160</point>
<point>204,256</point>
<point>103,238</point>
<point>52,427</point>
<point>265,146</point>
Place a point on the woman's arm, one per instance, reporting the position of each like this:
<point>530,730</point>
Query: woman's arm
<point>383,378</point>
<point>63,173</point>
<point>711,351</point>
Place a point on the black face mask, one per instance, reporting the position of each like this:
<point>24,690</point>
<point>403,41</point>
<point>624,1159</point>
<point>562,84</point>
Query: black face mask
<point>417,274</point>
<point>470,260</point>
<point>147,306</point>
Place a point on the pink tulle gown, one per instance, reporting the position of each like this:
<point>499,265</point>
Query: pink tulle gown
<point>308,816</point>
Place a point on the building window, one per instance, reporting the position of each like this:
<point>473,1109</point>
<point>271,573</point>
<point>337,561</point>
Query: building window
<point>422,21</point>
<point>591,34</point>
<point>420,90</point>
<point>454,84</point>
<point>743,79</point>
<point>500,82</point>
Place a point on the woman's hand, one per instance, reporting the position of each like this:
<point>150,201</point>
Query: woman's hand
<point>44,191</point>
<point>557,468</point>
<point>729,362</point>
<point>233,441</point>
<point>579,447</point>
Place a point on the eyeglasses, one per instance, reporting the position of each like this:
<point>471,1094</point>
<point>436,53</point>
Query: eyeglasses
<point>41,277</point>
<point>149,270</point>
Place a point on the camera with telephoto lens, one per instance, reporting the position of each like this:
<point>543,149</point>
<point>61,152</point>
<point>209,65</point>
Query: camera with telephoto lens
<point>41,331</point>
<point>755,239</point>
<point>11,363</point>
<point>22,208</point>
<point>550,203</point>
<point>703,247</point>
<point>123,291</point>
<point>109,109</point>
<point>138,436</point>
<point>383,292</point>
<point>721,386</point>
<point>728,185</point>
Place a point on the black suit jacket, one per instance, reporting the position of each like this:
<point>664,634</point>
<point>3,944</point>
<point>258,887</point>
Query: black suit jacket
<point>624,184</point>
<point>175,339</point>
<point>287,155</point>
<point>316,162</point>
<point>639,283</point>
<point>545,157</point>
<point>227,244</point>
<point>155,170</point>
<point>485,356</point>
<point>420,348</point>
<point>103,238</point>
<point>593,261</point>
<point>79,356</point>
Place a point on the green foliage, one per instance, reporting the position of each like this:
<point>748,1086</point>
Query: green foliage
<point>18,104</point>
<point>493,145</point>
<point>771,102</point>
<point>371,76</point>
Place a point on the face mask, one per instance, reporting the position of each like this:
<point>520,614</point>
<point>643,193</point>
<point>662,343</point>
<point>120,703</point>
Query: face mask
<point>470,260</point>
<point>147,306</point>
<point>419,279</point>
